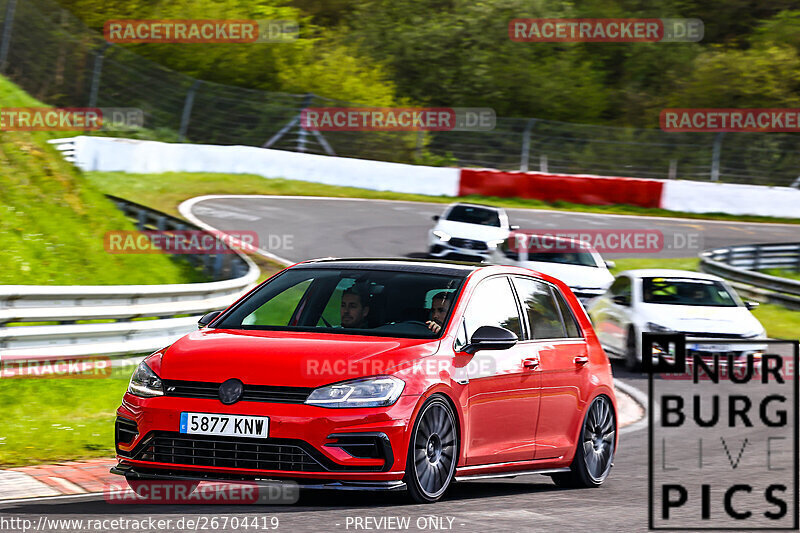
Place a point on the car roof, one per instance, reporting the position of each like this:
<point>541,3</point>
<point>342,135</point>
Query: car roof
<point>426,266</point>
<point>668,273</point>
<point>399,264</point>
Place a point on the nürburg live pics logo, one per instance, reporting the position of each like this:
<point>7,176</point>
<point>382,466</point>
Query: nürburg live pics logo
<point>723,433</point>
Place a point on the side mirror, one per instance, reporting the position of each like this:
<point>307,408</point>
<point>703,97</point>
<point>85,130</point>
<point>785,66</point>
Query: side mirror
<point>207,319</point>
<point>610,264</point>
<point>621,300</point>
<point>513,227</point>
<point>751,305</point>
<point>435,218</point>
<point>490,338</point>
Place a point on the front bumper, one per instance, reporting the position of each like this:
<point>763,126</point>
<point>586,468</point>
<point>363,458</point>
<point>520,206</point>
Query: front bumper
<point>305,442</point>
<point>443,250</point>
<point>147,474</point>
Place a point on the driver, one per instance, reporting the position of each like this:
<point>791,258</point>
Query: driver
<point>354,308</point>
<point>440,305</point>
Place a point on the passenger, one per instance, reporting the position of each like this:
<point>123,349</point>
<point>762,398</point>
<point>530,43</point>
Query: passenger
<point>354,308</point>
<point>440,305</point>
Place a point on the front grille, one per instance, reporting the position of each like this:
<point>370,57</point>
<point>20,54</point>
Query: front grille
<point>230,452</point>
<point>252,393</point>
<point>716,335</point>
<point>468,244</point>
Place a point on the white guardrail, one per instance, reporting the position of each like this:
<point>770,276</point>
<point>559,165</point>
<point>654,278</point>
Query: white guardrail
<point>740,265</point>
<point>136,319</point>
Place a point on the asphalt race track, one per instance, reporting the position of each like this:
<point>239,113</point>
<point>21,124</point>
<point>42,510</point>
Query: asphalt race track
<point>526,503</point>
<point>321,228</point>
<point>305,228</point>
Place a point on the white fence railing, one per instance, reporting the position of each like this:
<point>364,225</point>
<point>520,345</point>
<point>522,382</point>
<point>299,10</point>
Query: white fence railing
<point>739,264</point>
<point>118,319</point>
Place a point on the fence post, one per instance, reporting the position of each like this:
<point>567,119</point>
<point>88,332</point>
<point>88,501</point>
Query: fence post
<point>797,265</point>
<point>526,145</point>
<point>302,133</point>
<point>715,156</point>
<point>543,163</point>
<point>673,169</point>
<point>8,23</point>
<point>98,69</point>
<point>187,109</point>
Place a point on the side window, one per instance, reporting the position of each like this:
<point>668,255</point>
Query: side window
<point>493,304</point>
<point>573,330</point>
<point>621,287</point>
<point>543,316</point>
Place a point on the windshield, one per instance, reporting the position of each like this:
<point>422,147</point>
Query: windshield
<point>687,291</point>
<point>568,255</point>
<point>361,302</point>
<point>471,214</point>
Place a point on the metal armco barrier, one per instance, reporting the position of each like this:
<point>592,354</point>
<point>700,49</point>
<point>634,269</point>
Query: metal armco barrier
<point>740,263</point>
<point>137,318</point>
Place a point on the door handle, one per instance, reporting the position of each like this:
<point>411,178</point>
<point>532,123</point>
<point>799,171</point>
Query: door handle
<point>530,362</point>
<point>581,360</point>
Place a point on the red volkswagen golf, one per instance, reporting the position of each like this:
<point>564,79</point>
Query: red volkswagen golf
<point>381,375</point>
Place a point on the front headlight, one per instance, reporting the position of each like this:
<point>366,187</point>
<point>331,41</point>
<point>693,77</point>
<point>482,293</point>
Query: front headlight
<point>496,243</point>
<point>657,328</point>
<point>145,382</point>
<point>442,236</point>
<point>367,392</point>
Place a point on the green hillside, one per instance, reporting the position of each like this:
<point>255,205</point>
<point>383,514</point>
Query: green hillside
<point>52,220</point>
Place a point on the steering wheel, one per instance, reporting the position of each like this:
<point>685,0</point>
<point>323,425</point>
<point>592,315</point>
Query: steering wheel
<point>416,323</point>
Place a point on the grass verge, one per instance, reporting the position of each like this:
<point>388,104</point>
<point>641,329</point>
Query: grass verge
<point>781,273</point>
<point>166,191</point>
<point>52,219</point>
<point>47,420</point>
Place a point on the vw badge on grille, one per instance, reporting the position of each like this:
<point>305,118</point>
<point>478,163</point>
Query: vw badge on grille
<point>231,391</point>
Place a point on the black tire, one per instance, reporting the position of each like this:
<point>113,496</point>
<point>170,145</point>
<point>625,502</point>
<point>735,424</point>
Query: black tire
<point>632,361</point>
<point>432,452</point>
<point>594,452</point>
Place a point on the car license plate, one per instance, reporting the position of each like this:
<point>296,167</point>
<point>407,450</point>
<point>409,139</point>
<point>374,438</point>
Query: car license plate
<point>226,425</point>
<point>711,347</point>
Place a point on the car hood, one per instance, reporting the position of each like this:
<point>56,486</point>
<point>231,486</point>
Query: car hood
<point>698,319</point>
<point>573,275</point>
<point>476,232</point>
<point>289,359</point>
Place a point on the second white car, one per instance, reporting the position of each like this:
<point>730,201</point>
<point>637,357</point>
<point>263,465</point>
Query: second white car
<point>666,301</point>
